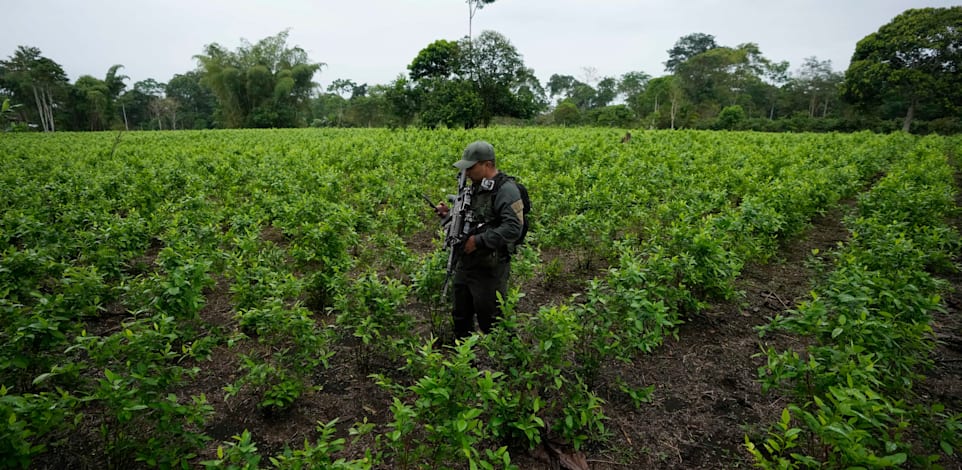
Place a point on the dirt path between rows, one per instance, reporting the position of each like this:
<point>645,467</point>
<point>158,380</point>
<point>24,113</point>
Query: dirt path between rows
<point>943,384</point>
<point>706,397</point>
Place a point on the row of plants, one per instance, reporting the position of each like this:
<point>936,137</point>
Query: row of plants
<point>870,327</point>
<point>114,252</point>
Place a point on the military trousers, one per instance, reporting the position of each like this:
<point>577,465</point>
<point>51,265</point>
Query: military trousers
<point>476,297</point>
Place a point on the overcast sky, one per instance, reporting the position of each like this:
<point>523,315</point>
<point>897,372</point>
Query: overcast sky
<point>372,41</point>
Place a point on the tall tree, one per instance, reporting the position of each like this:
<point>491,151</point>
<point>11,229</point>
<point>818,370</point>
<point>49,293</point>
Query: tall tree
<point>747,85</point>
<point>431,71</point>
<point>817,83</point>
<point>454,103</point>
<point>473,7</point>
<point>360,91</point>
<point>633,83</point>
<point>138,104</point>
<point>506,87</point>
<point>469,82</point>
<point>402,101</point>
<point>607,91</point>
<point>913,59</point>
<point>776,75</point>
<point>150,87</point>
<point>441,59</point>
<point>687,47</point>
<point>574,91</point>
<point>723,76</point>
<point>561,85</point>
<point>707,78</point>
<point>115,86</point>
<point>266,84</point>
<point>343,87</point>
<point>664,98</point>
<point>90,104</point>
<point>164,110</point>
<point>196,102</point>
<point>632,87</point>
<point>114,82</point>
<point>31,77</point>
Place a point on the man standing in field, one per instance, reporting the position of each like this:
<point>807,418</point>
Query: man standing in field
<point>484,263</point>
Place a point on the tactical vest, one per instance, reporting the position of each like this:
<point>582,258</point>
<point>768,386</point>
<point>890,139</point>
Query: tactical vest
<point>485,211</point>
<point>482,202</point>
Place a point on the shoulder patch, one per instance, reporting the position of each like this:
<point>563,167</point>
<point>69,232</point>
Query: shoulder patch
<point>518,208</point>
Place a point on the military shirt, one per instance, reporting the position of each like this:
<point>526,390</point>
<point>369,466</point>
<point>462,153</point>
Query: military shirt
<point>500,217</point>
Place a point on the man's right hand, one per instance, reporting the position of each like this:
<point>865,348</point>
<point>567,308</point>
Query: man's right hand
<point>442,210</point>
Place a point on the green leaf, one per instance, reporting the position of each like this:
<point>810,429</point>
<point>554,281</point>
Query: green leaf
<point>42,378</point>
<point>947,448</point>
<point>894,459</point>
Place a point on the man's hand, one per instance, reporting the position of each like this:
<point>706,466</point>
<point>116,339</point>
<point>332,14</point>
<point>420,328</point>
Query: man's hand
<point>441,210</point>
<point>470,245</point>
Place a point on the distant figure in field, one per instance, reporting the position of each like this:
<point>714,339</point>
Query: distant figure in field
<point>626,138</point>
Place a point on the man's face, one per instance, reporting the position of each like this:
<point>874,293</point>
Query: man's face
<point>477,171</point>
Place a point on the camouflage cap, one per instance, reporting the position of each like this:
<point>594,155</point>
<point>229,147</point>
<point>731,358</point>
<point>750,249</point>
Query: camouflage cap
<point>476,152</point>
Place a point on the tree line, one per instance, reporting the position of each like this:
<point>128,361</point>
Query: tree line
<point>903,76</point>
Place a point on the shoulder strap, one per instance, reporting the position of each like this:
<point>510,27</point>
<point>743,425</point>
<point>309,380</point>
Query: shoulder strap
<point>501,179</point>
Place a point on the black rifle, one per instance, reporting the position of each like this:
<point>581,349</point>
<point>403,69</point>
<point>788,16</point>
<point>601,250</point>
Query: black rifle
<point>458,227</point>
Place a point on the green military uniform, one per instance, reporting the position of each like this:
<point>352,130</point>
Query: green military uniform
<point>481,275</point>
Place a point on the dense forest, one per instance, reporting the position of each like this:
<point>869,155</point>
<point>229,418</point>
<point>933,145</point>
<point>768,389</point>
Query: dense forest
<point>903,76</point>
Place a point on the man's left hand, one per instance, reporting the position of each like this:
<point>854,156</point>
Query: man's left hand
<point>470,245</point>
